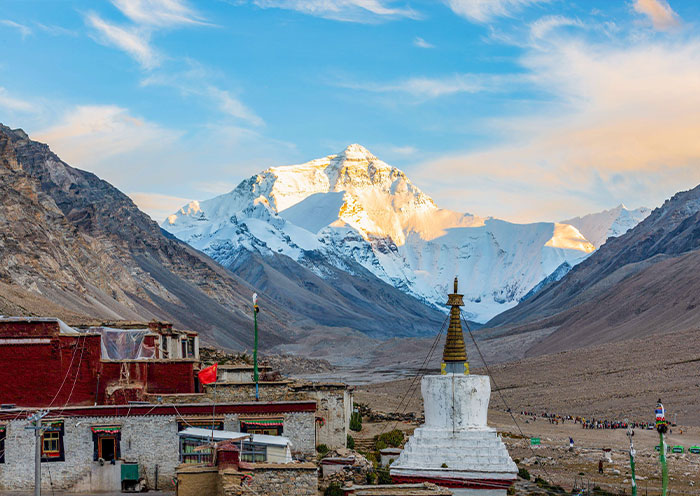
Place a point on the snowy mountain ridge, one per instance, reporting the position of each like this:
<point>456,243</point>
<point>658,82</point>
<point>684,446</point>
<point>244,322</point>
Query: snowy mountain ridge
<point>352,208</point>
<point>598,227</point>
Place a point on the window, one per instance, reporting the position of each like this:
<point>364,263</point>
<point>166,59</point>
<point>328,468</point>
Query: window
<point>254,453</point>
<point>203,423</point>
<point>52,441</point>
<point>3,430</point>
<point>272,426</point>
<point>193,450</point>
<point>105,440</point>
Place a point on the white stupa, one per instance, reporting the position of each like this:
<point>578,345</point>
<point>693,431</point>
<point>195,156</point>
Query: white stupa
<point>454,447</point>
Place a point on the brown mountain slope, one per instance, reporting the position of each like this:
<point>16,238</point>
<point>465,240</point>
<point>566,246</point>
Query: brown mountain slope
<point>78,242</point>
<point>638,284</point>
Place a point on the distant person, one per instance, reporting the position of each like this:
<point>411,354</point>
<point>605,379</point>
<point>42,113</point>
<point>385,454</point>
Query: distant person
<point>571,443</point>
<point>600,466</point>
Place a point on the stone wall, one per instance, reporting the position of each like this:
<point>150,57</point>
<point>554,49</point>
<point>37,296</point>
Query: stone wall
<point>235,392</point>
<point>334,406</point>
<point>299,479</point>
<point>151,441</point>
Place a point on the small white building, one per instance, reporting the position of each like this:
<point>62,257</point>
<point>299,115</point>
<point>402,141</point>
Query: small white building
<point>195,446</point>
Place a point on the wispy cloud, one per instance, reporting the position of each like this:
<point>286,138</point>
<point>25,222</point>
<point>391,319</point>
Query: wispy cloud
<point>132,40</point>
<point>421,43</point>
<point>159,13</point>
<point>426,88</point>
<point>54,30</point>
<point>343,10</point>
<point>486,10</point>
<point>91,133</point>
<point>662,16</point>
<point>12,103</point>
<point>543,26</point>
<point>620,125</point>
<point>196,81</point>
<point>23,30</point>
<point>147,16</point>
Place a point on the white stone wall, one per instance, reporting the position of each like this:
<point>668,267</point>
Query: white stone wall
<point>148,440</point>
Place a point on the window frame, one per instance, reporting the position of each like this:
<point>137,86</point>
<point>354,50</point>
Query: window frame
<point>3,436</point>
<point>55,429</point>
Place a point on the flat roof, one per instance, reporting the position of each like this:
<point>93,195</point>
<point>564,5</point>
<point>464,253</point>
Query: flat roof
<point>177,409</point>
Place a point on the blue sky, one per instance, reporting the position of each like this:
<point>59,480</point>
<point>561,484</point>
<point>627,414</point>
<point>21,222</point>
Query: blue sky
<point>521,109</point>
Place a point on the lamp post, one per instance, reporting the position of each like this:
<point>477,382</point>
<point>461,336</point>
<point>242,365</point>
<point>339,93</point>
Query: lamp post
<point>256,309</point>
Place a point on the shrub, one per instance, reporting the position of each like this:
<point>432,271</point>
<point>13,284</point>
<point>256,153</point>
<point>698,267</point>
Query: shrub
<point>371,478</point>
<point>322,449</point>
<point>383,477</point>
<point>356,421</point>
<point>351,442</point>
<point>444,465</point>
<point>392,438</point>
<point>333,490</point>
<point>523,473</point>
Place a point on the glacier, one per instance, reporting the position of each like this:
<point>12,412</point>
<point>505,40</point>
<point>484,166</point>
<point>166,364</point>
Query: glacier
<point>353,208</point>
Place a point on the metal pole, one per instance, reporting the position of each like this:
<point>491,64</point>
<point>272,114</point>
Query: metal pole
<point>37,458</point>
<point>255,347</point>
<point>664,467</point>
<point>630,433</point>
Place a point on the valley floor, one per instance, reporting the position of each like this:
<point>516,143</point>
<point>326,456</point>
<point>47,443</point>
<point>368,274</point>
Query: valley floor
<point>611,382</point>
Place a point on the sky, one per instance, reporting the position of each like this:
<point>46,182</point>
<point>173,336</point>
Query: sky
<point>525,110</point>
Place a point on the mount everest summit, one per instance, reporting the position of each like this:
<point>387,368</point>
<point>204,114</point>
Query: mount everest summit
<point>352,212</point>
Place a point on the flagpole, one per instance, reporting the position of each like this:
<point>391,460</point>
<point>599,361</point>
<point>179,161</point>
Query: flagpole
<point>255,347</point>
<point>662,427</point>
<point>630,433</point>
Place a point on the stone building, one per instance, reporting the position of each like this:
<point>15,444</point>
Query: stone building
<point>76,438</point>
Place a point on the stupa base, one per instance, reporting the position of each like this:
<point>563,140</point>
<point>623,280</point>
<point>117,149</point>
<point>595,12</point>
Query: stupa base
<point>461,484</point>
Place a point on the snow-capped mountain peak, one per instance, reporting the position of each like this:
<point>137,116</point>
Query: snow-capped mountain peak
<point>353,210</point>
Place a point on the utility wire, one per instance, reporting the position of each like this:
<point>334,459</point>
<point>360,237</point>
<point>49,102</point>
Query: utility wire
<point>419,373</point>
<point>500,393</point>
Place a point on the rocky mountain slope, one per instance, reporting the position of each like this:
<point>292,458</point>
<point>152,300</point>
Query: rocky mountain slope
<point>71,239</point>
<point>353,213</point>
<point>639,284</point>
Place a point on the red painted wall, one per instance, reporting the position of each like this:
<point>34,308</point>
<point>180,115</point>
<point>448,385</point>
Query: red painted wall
<point>68,370</point>
<point>33,374</point>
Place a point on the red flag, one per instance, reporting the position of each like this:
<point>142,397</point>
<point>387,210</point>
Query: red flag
<point>207,375</point>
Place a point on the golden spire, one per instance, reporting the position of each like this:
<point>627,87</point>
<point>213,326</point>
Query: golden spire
<point>455,351</point>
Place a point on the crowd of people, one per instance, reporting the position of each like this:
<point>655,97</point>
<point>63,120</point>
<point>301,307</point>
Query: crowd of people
<point>586,423</point>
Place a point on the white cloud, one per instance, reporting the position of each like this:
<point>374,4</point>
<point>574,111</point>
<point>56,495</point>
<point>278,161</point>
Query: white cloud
<point>132,40</point>
<point>659,12</point>
<point>486,10</point>
<point>421,43</point>
<point>425,88</point>
<point>620,126</point>
<point>11,103</point>
<point>543,26</point>
<point>157,205</point>
<point>23,30</point>
<point>195,81</point>
<point>341,10</point>
<point>90,134</point>
<point>158,13</point>
<point>232,105</point>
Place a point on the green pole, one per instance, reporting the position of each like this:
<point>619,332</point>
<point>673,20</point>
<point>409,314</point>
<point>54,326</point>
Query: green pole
<point>664,467</point>
<point>255,352</point>
<point>630,433</point>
